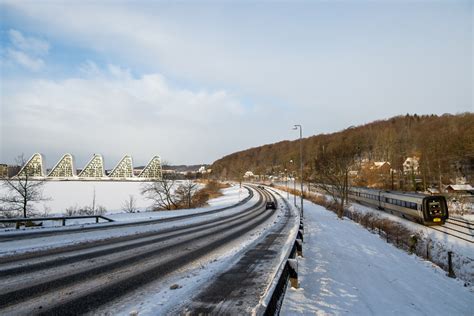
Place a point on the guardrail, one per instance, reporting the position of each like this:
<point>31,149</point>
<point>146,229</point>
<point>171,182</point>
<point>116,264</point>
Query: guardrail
<point>287,272</point>
<point>29,221</point>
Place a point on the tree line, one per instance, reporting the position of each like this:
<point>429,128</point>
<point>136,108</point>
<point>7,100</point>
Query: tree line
<point>443,146</point>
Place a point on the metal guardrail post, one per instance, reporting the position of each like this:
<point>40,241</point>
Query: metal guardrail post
<point>293,272</point>
<point>300,234</point>
<point>299,247</point>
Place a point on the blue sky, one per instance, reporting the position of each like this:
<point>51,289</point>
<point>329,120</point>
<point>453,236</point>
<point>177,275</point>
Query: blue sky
<point>193,81</point>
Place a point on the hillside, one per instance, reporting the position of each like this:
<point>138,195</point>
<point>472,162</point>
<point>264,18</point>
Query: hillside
<point>443,145</point>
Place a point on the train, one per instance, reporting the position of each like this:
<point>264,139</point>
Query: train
<point>424,209</point>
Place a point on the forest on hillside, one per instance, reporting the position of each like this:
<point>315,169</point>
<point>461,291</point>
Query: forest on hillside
<point>442,145</point>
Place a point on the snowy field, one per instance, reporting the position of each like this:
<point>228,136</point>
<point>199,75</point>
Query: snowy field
<point>232,195</point>
<point>348,270</point>
<point>111,195</point>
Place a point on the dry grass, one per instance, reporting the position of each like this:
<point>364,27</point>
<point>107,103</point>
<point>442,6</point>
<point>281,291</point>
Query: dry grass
<point>211,190</point>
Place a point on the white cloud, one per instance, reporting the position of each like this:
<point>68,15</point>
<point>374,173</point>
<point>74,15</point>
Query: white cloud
<point>310,55</point>
<point>25,60</point>
<point>32,45</point>
<point>26,51</point>
<point>114,114</point>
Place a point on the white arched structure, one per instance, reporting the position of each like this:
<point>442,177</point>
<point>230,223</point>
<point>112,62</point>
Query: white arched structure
<point>124,169</point>
<point>64,168</point>
<point>152,170</point>
<point>94,168</point>
<point>33,167</point>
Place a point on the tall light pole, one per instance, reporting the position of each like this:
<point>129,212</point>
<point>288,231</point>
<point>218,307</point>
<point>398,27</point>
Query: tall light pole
<point>294,181</point>
<point>297,126</point>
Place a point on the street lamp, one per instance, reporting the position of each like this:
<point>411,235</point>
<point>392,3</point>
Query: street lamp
<point>295,127</point>
<point>294,181</point>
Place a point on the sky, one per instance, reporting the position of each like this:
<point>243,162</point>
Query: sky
<point>193,81</point>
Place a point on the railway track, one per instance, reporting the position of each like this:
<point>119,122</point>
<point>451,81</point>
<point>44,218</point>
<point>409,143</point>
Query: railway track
<point>77,280</point>
<point>457,227</point>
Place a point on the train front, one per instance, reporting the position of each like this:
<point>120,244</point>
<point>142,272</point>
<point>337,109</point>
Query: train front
<point>435,210</point>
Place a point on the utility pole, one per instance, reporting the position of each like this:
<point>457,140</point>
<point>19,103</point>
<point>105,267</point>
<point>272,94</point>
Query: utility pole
<point>297,126</point>
<point>294,188</point>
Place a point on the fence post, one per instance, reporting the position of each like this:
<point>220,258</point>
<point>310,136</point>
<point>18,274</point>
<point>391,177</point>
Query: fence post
<point>64,222</point>
<point>450,265</point>
<point>97,219</point>
<point>428,249</point>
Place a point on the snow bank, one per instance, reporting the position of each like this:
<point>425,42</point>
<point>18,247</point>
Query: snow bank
<point>347,269</point>
<point>436,243</point>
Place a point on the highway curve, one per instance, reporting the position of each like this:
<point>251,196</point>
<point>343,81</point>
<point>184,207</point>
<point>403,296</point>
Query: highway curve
<point>80,279</point>
<point>240,289</point>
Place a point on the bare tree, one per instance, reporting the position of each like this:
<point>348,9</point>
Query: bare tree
<point>161,192</point>
<point>22,190</point>
<point>332,174</point>
<point>186,191</point>
<point>130,205</point>
<point>238,171</point>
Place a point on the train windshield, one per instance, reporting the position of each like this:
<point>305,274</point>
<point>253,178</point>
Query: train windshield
<point>435,208</point>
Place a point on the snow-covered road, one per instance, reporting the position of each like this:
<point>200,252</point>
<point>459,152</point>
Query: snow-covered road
<point>348,270</point>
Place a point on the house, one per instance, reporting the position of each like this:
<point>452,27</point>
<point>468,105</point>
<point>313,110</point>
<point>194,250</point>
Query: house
<point>381,166</point>
<point>249,174</point>
<point>460,188</point>
<point>3,170</point>
<point>432,191</point>
<point>411,165</point>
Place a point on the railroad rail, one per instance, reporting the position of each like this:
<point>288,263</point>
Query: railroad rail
<point>454,226</point>
<point>457,227</point>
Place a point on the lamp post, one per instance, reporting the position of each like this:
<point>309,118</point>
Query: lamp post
<point>297,126</point>
<point>294,181</point>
